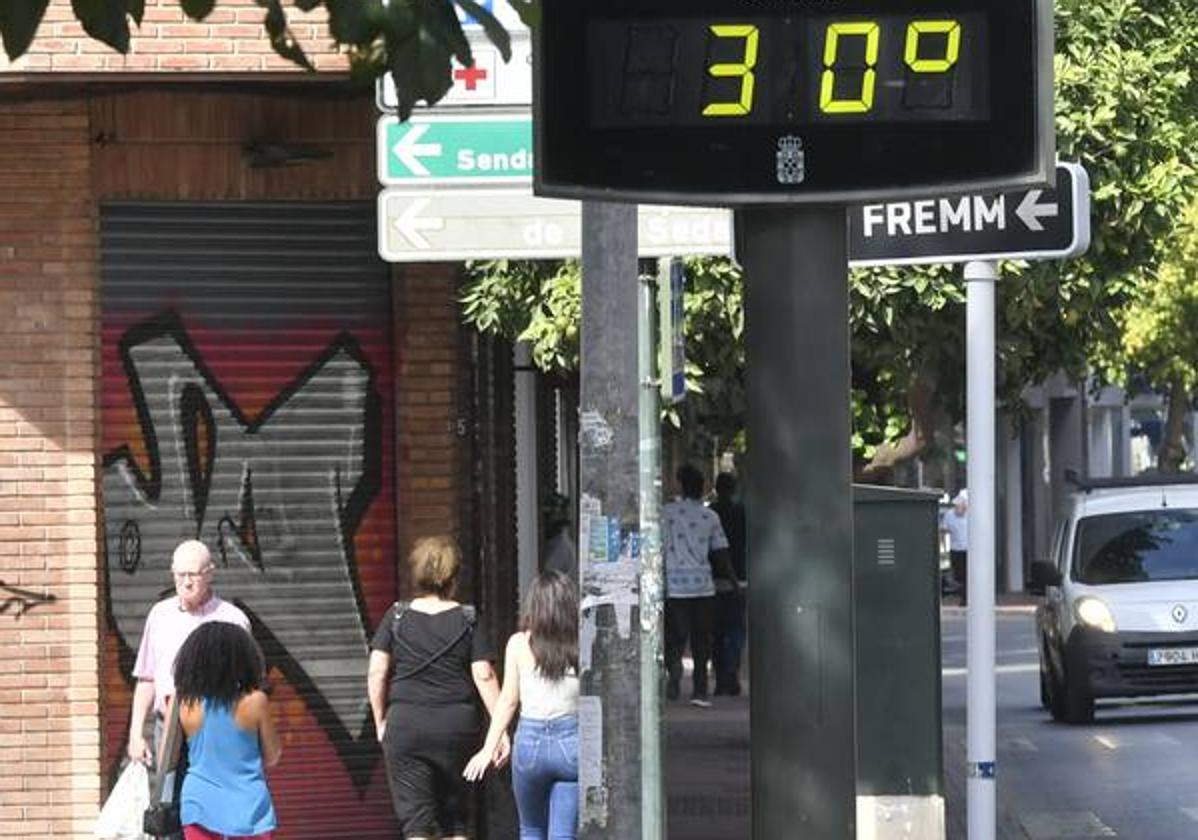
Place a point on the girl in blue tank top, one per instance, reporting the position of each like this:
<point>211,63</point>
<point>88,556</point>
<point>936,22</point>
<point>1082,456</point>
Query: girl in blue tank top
<point>230,736</point>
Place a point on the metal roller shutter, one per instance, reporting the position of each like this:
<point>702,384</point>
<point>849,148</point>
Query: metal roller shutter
<point>247,400</point>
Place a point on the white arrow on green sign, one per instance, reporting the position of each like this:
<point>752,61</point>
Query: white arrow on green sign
<point>455,149</point>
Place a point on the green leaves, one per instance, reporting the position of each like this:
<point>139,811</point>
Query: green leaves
<point>1160,325</point>
<point>18,23</point>
<point>420,39</point>
<point>541,303</point>
<point>494,29</point>
<point>198,9</point>
<point>356,22</point>
<point>529,12</point>
<point>282,41</point>
<point>1126,108</point>
<point>107,20</point>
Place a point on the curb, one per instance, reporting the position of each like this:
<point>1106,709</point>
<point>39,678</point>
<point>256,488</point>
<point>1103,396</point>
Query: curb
<point>1016,609</point>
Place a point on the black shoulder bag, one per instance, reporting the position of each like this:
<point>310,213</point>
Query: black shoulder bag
<point>162,818</point>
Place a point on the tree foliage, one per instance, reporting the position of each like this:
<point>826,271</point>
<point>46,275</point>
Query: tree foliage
<point>414,40</point>
<point>540,302</point>
<point>1160,334</point>
<point>907,329</point>
<point>1160,326</point>
<point>1127,109</point>
<point>537,302</point>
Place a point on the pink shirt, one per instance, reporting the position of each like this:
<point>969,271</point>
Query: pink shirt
<point>167,628</point>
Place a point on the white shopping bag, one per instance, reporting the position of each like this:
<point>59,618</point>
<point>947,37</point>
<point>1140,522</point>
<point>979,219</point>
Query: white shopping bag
<point>120,818</point>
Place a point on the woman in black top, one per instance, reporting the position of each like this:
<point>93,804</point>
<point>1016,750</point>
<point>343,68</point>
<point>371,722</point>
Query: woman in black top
<point>428,667</point>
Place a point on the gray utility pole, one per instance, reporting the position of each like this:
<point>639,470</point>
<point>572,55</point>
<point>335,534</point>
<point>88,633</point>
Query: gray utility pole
<point>981,280</point>
<point>610,538</point>
<point>799,512</point>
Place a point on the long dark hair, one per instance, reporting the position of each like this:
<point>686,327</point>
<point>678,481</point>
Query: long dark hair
<point>551,619</point>
<point>219,662</point>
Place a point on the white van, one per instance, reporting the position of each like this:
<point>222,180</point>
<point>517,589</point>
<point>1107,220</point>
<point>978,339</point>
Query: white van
<point>1120,613</point>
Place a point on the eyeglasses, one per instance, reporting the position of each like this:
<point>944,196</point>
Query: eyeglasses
<point>202,573</point>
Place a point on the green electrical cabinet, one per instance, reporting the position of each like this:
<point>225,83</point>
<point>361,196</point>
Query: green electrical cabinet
<point>900,769</point>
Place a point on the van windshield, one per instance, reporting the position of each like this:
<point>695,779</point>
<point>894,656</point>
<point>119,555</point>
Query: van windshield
<point>1137,547</point>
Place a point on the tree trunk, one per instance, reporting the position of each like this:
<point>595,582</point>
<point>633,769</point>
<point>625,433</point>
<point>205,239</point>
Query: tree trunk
<point>921,408</point>
<point>1172,451</point>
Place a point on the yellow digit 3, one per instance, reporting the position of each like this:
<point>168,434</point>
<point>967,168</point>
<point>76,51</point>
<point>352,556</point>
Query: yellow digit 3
<point>742,69</point>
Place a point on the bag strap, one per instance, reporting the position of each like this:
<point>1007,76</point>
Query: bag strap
<point>471,619</point>
<point>172,736</point>
<point>401,609</point>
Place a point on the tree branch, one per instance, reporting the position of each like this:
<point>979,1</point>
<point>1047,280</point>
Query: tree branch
<point>921,409</point>
<point>1172,450</point>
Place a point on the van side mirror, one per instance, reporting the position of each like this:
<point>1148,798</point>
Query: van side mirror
<point>1043,575</point>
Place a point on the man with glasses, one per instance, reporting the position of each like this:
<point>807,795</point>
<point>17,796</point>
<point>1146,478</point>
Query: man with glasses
<point>167,626</point>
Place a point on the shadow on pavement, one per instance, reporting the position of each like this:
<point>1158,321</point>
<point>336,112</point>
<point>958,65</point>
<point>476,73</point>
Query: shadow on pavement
<point>707,769</point>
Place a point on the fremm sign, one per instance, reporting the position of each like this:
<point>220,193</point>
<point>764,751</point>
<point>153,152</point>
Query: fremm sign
<point>1031,224</point>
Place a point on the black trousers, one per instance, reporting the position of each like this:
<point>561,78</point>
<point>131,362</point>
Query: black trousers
<point>728,639</point>
<point>960,566</point>
<point>689,620</point>
<point>426,748</point>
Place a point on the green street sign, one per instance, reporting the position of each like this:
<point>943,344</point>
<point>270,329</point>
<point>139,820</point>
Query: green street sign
<point>455,149</point>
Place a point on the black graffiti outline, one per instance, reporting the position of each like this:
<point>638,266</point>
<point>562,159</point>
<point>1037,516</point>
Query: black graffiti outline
<point>194,410</point>
<point>23,599</point>
<point>358,755</point>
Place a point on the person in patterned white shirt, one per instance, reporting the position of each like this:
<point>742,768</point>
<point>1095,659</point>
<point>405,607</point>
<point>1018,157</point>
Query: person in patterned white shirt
<point>693,543</point>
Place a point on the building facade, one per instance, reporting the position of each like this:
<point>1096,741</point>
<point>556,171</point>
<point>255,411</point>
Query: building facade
<point>201,341</point>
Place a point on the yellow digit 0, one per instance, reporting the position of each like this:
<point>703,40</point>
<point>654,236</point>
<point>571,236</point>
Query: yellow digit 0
<point>828,103</point>
<point>952,48</point>
<point>743,69</point>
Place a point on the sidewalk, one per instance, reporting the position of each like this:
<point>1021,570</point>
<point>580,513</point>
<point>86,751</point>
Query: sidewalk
<point>1005,602</point>
<point>707,769</point>
<point>707,761</point>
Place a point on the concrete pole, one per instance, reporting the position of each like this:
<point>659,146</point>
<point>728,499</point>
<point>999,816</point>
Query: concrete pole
<point>799,510</point>
<point>980,281</point>
<point>609,772</point>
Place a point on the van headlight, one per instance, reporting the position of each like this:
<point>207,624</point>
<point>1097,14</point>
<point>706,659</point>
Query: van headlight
<point>1093,612</point>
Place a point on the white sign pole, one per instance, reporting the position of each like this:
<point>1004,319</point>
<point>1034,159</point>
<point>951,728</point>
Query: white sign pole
<point>981,280</point>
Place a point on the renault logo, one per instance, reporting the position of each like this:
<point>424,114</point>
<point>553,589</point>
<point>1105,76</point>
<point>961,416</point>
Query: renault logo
<point>1179,614</point>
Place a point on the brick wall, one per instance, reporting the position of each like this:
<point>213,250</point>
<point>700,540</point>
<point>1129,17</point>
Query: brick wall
<point>426,412</point>
<point>49,695</point>
<point>53,173</point>
<point>230,40</point>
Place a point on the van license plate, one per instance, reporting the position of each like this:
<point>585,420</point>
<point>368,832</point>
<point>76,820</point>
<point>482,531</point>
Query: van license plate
<point>1172,656</point>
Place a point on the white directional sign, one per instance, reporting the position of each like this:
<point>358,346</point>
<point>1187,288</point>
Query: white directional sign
<point>1025,224</point>
<point>491,81</point>
<point>452,225</point>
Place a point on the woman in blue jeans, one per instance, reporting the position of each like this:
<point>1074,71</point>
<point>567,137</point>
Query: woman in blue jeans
<point>540,676</point>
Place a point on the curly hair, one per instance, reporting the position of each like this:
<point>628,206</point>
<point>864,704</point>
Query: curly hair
<point>551,619</point>
<point>691,480</point>
<point>219,662</point>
